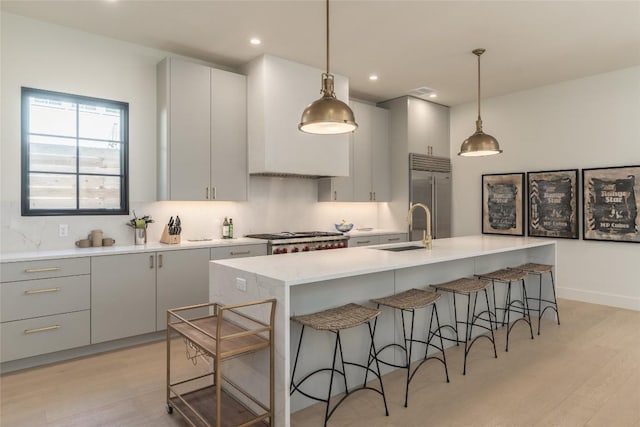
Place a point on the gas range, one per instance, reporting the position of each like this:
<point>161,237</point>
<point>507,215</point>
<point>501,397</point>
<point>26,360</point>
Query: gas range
<point>302,241</point>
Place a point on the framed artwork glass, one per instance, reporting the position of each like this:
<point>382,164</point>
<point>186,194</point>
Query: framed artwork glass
<point>553,204</point>
<point>611,204</point>
<point>503,204</point>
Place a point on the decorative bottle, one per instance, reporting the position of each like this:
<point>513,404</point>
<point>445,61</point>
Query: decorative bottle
<point>225,228</point>
<point>231,228</point>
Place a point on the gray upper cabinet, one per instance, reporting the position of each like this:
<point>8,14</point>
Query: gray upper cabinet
<point>427,128</point>
<point>202,137</point>
<point>370,175</point>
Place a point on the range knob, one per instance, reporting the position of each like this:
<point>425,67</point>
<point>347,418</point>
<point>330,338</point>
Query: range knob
<point>319,247</point>
<point>276,251</point>
<point>296,249</point>
<point>306,249</point>
<point>284,250</point>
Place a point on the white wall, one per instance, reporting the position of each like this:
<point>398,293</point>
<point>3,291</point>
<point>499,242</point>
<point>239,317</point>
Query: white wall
<point>585,123</point>
<point>56,58</point>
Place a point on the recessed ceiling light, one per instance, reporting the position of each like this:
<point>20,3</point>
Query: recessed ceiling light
<point>255,41</point>
<point>373,77</point>
<point>433,95</point>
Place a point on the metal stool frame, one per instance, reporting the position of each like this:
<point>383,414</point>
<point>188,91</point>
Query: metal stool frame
<point>408,343</point>
<point>553,305</point>
<point>295,386</point>
<point>521,306</point>
<point>470,322</point>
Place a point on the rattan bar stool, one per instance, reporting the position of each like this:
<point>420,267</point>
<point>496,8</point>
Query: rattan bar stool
<point>518,306</point>
<point>538,270</point>
<point>407,302</point>
<point>467,287</point>
<point>334,320</point>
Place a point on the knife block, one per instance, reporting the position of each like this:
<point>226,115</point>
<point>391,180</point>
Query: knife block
<point>171,239</point>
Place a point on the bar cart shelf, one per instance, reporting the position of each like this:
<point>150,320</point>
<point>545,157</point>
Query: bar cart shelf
<point>227,333</point>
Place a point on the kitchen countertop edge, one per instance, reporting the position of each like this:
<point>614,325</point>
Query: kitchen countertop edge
<point>118,250</point>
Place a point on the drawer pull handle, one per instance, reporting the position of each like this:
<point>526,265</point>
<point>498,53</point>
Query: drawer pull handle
<point>45,329</point>
<point>41,291</point>
<point>240,253</point>
<point>41,270</point>
<point>394,239</point>
<point>363,242</point>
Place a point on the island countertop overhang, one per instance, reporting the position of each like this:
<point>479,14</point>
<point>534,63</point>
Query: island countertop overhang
<point>302,268</point>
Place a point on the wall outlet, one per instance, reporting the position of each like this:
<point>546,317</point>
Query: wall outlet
<point>63,230</point>
<point>241,284</point>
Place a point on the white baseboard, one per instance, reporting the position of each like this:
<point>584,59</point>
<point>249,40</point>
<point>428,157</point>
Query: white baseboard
<point>620,301</point>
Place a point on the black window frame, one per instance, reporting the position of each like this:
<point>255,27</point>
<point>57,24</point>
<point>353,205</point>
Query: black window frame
<point>124,155</point>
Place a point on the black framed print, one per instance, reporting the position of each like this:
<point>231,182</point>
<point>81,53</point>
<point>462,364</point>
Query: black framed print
<point>553,204</point>
<point>611,204</point>
<point>503,204</point>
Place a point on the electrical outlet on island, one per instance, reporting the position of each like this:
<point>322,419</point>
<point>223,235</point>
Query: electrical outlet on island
<point>63,230</point>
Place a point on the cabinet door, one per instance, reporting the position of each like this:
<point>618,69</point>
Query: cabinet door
<point>364,241</point>
<point>380,156</point>
<point>438,135</point>
<point>228,136</point>
<point>362,147</point>
<point>182,279</point>
<point>123,296</point>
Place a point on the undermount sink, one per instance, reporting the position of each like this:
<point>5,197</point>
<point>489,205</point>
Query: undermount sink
<point>401,248</point>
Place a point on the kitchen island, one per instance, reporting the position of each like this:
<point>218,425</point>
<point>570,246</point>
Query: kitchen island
<point>308,282</point>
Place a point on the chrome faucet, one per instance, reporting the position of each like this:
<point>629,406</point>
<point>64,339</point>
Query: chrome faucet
<point>426,234</point>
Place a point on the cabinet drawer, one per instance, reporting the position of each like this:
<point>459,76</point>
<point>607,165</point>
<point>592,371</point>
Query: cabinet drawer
<point>393,238</point>
<point>45,269</point>
<point>36,298</point>
<point>31,337</point>
<point>238,251</point>
<point>363,241</point>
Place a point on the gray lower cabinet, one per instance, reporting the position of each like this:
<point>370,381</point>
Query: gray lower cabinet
<point>123,296</point>
<point>377,239</point>
<point>44,307</point>
<point>182,280</point>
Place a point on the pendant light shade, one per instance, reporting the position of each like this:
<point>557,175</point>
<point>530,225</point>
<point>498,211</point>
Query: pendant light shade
<point>480,143</point>
<point>328,115</point>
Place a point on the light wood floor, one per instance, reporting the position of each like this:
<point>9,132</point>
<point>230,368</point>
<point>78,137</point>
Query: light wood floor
<point>585,372</point>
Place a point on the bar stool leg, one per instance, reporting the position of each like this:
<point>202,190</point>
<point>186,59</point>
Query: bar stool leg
<point>408,351</point>
<point>526,306</point>
<point>493,337</point>
<point>539,302</point>
<point>555,301</point>
<point>495,306</point>
<point>372,350</point>
<point>292,386</point>
<point>508,308</point>
<point>455,316</point>
<point>444,357</point>
<point>333,370</point>
<point>467,334</point>
<point>344,370</point>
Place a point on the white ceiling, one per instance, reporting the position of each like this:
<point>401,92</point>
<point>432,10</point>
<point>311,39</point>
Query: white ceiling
<point>409,44</point>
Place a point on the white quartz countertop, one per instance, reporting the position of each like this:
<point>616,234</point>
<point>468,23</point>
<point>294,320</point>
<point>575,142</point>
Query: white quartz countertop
<point>115,250</point>
<point>307,267</point>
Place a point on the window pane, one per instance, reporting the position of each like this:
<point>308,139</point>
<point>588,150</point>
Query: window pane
<point>52,191</point>
<point>100,157</point>
<point>52,154</point>
<point>99,192</point>
<point>99,123</point>
<point>52,117</point>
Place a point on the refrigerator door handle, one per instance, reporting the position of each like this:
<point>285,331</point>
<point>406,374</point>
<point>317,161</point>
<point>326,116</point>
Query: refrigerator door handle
<point>434,208</point>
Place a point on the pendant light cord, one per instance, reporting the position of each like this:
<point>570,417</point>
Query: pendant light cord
<point>479,87</point>
<point>327,36</point>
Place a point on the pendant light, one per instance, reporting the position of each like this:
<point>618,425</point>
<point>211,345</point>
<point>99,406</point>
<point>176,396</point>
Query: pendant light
<point>480,143</point>
<point>327,115</point>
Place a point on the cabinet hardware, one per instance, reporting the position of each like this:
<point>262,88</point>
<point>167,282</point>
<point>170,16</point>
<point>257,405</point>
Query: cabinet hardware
<point>150,261</point>
<point>41,270</point>
<point>374,195</point>
<point>393,240</point>
<point>207,193</point>
<point>335,195</point>
<point>41,291</point>
<point>160,261</point>
<point>240,253</point>
<point>45,329</point>
<point>370,195</point>
<point>363,242</point>
<point>214,193</point>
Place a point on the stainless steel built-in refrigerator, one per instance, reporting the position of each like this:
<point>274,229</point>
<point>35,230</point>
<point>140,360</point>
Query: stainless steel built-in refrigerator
<point>430,183</point>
